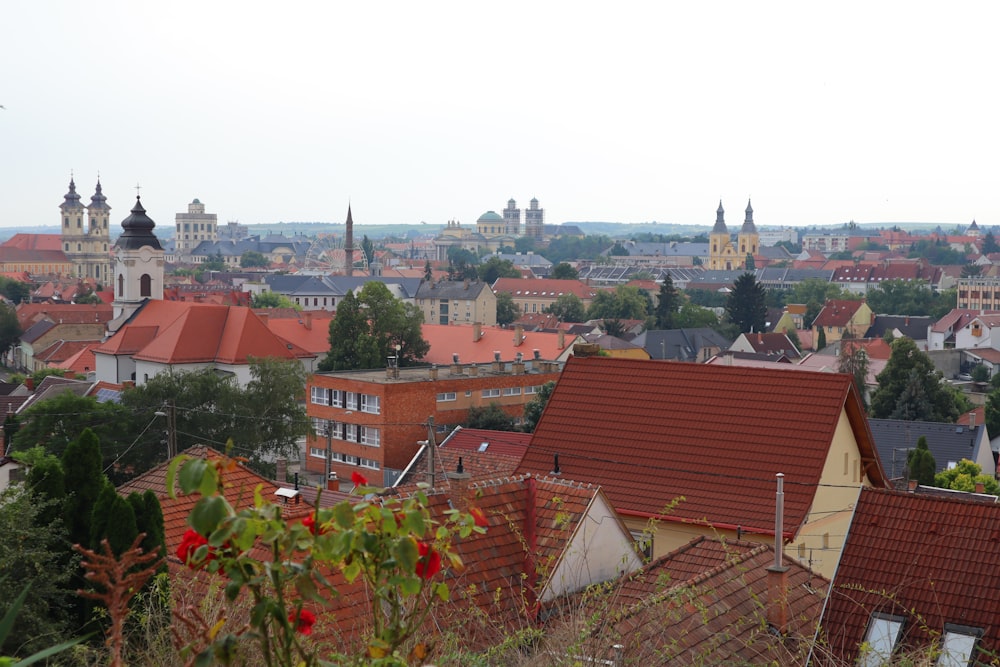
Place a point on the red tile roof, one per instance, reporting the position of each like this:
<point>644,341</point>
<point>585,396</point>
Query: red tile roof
<point>309,331</point>
<point>652,431</point>
<point>543,288</point>
<point>448,339</point>
<point>508,443</point>
<point>24,241</point>
<point>837,313</point>
<point>29,313</point>
<point>931,560</point>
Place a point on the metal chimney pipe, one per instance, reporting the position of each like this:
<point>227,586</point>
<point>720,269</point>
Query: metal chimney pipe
<point>779,519</point>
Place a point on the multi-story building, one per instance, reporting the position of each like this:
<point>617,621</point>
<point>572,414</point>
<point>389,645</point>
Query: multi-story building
<point>726,255</point>
<point>87,247</point>
<point>372,420</point>
<point>533,295</point>
<point>194,227</point>
<point>979,293</point>
<point>457,302</point>
<point>512,219</point>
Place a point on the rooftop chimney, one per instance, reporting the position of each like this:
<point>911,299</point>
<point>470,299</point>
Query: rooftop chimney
<point>538,354</point>
<point>281,470</point>
<point>555,465</point>
<point>307,320</point>
<point>433,373</point>
<point>459,481</point>
<point>562,339</point>
<point>777,574</point>
<point>518,334</point>
<point>477,331</point>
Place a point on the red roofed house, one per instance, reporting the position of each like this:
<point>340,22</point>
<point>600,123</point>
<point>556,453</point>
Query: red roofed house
<point>533,295</point>
<point>768,344</point>
<point>712,438</point>
<point>843,316</point>
<point>477,344</point>
<point>918,572</point>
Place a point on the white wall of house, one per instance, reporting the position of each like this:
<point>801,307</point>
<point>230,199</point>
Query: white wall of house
<point>974,335</point>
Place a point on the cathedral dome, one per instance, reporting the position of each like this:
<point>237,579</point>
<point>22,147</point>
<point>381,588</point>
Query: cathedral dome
<point>490,216</point>
<point>138,230</point>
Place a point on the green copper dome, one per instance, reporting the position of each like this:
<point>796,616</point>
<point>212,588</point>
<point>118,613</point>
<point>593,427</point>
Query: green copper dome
<point>490,216</point>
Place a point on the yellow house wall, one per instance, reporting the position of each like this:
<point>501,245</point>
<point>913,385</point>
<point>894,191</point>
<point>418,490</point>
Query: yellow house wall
<point>821,537</point>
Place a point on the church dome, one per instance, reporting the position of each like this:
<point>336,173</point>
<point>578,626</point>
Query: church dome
<point>138,230</point>
<point>490,216</point>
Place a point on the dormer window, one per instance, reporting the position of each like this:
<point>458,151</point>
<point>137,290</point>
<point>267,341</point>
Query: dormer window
<point>958,645</point>
<point>977,330</point>
<point>881,639</point>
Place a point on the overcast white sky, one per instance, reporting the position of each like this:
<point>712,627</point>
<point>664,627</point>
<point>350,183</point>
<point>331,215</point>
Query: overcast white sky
<point>427,111</point>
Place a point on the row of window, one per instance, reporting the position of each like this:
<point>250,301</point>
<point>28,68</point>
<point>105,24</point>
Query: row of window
<point>349,459</point>
<point>446,396</point>
<point>958,642</point>
<point>315,301</point>
<point>79,247</point>
<point>349,400</point>
<point>365,435</point>
<point>196,227</point>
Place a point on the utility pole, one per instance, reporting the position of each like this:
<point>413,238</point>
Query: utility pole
<point>431,453</point>
<point>329,453</point>
<point>171,415</point>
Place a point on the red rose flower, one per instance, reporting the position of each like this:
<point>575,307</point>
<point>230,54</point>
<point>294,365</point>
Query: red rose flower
<point>429,562</point>
<point>310,523</point>
<point>479,517</point>
<point>303,620</point>
<point>189,545</point>
<point>359,479</point>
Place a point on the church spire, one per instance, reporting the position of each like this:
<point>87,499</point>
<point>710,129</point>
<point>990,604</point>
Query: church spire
<point>71,199</point>
<point>720,222</point>
<point>748,226</point>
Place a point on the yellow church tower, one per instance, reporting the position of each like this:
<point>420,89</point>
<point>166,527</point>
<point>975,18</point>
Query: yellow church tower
<point>723,254</point>
<point>748,239</point>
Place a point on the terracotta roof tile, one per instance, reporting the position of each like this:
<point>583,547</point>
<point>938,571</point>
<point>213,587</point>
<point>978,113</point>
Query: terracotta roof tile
<point>837,313</point>
<point>929,559</point>
<point>543,288</point>
<point>508,443</point>
<point>651,431</point>
<point>447,339</point>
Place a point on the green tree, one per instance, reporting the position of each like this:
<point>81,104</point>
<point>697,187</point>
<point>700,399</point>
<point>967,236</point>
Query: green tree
<point>56,422</point>
<point>216,263</point>
<point>366,331</point>
<point>573,248</point>
<point>964,477</point>
<point>692,316</point>
<point>492,417</point>
<point>89,297</point>
<point>666,305</point>
<point>750,265</point>
<point>618,250</point>
<point>911,388</point>
<point>10,330</point>
<point>625,302</point>
<point>428,273</point>
<point>745,306</point>
<point>853,360</point>
<point>34,553</point>
<point>494,268</point>
<point>901,297</point>
<point>368,248</point>
<point>534,408</point>
<point>706,298</point>
<point>524,244</point>
<point>462,264</point>
<point>821,339</point>
<point>920,463</point>
<point>273,300</point>
<point>564,271</point>
<point>15,290</point>
<point>814,292</point>
<point>568,307</point>
<point>149,520</point>
<point>990,244</point>
<point>81,462</point>
<point>507,309</point>
<point>121,529</point>
<point>253,259</point>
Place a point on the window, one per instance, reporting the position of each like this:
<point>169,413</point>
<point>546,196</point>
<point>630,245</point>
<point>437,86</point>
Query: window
<point>370,404</point>
<point>319,396</point>
<point>491,393</point>
<point>368,463</point>
<point>880,640</point>
<point>351,400</point>
<point>351,432</point>
<point>958,645</point>
<point>512,391</point>
<point>446,396</point>
<point>145,285</point>
<point>369,436</point>
<point>533,389</point>
<point>317,452</point>
<point>643,543</point>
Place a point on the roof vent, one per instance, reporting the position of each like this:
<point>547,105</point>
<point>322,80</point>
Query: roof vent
<point>555,465</point>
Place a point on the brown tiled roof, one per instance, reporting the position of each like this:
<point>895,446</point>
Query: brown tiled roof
<point>720,617</point>
<point>837,313</point>
<point>930,560</point>
<point>28,313</point>
<point>652,431</point>
<point>479,465</point>
<point>545,288</point>
<point>509,443</point>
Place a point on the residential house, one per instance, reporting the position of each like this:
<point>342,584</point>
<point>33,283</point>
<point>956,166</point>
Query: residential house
<point>613,346</point>
<point>47,325</point>
<point>325,292</point>
<point>479,344</point>
<point>767,344</point>
<point>697,447</point>
<point>917,573</point>
<point>472,453</point>
<point>373,419</point>
<point>948,443</point>
<point>457,302</point>
<point>697,345</point>
<point>941,335</point>
<point>842,318</point>
<point>533,295</point>
<point>177,336</point>
<point>11,472</point>
<point>915,328</point>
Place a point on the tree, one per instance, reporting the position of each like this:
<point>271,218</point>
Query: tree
<point>750,264</point>
<point>253,259</point>
<point>964,477</point>
<point>534,408</point>
<point>366,331</point>
<point>814,292</point>
<point>10,330</point>
<point>692,316</point>
<point>492,417</point>
<point>901,297</point>
<point>34,553</point>
<point>568,307</point>
<point>273,300</point>
<point>625,302</point>
<point>15,290</point>
<point>89,297</point>
<point>462,264</point>
<point>56,422</point>
<point>428,273</point>
<point>920,463</point>
<point>618,250</point>
<point>216,263</point>
<point>564,271</point>
<point>909,386</point>
<point>81,463</point>
<point>821,339</point>
<point>666,305</point>
<point>368,248</point>
<point>507,309</point>
<point>853,360</point>
<point>990,244</point>
<point>745,306</point>
<point>494,268</point>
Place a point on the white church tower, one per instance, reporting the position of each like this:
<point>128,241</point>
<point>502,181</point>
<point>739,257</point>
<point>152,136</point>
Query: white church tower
<point>138,274</point>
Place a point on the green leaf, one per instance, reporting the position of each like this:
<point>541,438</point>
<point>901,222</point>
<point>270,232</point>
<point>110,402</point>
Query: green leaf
<point>208,513</point>
<point>192,474</point>
<point>442,591</point>
<point>8,619</point>
<point>351,571</point>
<point>409,586</point>
<point>343,515</point>
<point>406,554</point>
<point>172,473</point>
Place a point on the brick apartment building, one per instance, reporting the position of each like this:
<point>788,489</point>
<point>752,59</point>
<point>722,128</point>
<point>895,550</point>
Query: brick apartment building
<point>371,421</point>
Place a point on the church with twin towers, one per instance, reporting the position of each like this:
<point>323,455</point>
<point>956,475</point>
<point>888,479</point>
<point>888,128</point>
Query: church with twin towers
<point>86,234</point>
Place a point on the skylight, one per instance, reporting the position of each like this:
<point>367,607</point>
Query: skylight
<point>958,645</point>
<point>880,640</point>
